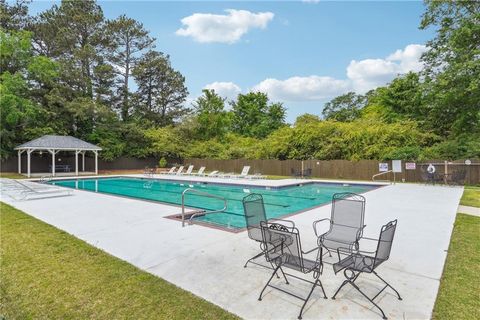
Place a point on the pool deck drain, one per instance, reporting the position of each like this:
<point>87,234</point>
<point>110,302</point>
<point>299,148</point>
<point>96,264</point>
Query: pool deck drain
<point>209,262</point>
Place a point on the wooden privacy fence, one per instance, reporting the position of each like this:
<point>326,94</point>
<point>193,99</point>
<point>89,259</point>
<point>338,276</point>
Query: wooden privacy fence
<point>339,169</point>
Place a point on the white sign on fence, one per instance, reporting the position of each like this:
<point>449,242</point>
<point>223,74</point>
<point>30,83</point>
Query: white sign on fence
<point>410,166</point>
<point>383,167</point>
<point>397,166</point>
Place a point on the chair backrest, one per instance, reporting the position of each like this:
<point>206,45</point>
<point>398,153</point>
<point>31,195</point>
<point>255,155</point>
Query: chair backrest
<point>213,173</point>
<point>245,170</point>
<point>190,169</point>
<point>307,172</point>
<point>180,169</point>
<point>254,211</point>
<point>385,241</point>
<point>283,245</point>
<point>348,209</point>
<point>172,170</point>
<point>200,171</point>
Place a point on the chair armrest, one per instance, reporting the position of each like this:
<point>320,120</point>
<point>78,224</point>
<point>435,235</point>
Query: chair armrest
<point>311,250</point>
<point>345,250</point>
<point>367,238</point>
<point>315,225</point>
<point>282,220</point>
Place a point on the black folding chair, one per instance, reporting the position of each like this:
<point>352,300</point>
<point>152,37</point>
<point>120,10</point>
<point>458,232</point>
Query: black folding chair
<point>346,222</point>
<point>254,210</point>
<point>361,261</point>
<point>457,178</point>
<point>284,250</point>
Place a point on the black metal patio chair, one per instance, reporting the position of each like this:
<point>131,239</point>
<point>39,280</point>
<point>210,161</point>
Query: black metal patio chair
<point>346,222</point>
<point>284,250</point>
<point>361,261</point>
<point>307,173</point>
<point>254,210</point>
<point>295,173</point>
<point>457,178</point>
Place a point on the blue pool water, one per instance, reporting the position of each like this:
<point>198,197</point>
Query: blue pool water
<point>279,202</point>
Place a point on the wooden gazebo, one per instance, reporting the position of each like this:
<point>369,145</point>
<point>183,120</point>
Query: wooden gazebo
<point>53,144</point>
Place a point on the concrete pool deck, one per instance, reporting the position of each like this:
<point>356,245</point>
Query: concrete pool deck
<point>209,262</point>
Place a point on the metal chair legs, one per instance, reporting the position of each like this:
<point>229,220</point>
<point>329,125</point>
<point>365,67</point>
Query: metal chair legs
<point>351,280</point>
<point>316,283</point>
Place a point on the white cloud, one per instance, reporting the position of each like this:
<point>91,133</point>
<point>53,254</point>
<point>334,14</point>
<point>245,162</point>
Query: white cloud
<point>311,1</point>
<point>227,90</point>
<point>302,88</point>
<point>370,73</point>
<point>228,28</point>
<point>361,76</point>
<point>409,58</point>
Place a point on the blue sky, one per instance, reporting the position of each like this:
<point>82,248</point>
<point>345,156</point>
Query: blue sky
<point>300,53</point>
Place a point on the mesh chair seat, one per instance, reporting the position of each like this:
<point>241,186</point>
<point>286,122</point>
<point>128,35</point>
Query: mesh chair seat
<point>340,236</point>
<point>292,262</point>
<point>358,262</point>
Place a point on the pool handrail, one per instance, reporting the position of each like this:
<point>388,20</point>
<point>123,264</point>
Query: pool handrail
<point>205,194</point>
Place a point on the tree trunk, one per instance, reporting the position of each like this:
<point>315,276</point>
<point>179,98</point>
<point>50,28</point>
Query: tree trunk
<point>125,82</point>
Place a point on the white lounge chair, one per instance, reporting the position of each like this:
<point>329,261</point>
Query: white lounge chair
<point>213,174</point>
<point>257,175</point>
<point>244,173</point>
<point>226,175</point>
<point>32,190</point>
<point>199,173</point>
<point>179,171</point>
<point>171,171</point>
<point>188,172</point>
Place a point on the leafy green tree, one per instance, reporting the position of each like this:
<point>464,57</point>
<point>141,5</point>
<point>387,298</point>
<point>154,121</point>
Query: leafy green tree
<point>73,34</point>
<point>14,17</point>
<point>165,142</point>
<point>213,120</point>
<point>253,116</point>
<point>452,66</point>
<point>161,89</point>
<point>307,118</point>
<point>345,107</point>
<point>127,39</point>
<point>21,117</point>
<point>402,99</point>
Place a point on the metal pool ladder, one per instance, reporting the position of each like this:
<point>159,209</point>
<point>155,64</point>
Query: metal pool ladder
<point>204,194</point>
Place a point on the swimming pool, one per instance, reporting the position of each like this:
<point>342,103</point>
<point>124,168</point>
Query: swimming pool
<point>279,201</point>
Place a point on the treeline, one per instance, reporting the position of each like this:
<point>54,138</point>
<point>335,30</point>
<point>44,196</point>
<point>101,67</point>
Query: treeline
<point>70,71</point>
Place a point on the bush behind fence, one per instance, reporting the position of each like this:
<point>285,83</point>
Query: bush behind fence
<point>328,169</point>
<point>338,169</point>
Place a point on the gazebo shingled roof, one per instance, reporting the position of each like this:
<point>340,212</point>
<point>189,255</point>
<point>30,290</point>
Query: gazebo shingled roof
<point>53,144</point>
<point>58,143</point>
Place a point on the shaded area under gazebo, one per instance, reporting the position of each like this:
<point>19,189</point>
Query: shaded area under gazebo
<point>53,145</point>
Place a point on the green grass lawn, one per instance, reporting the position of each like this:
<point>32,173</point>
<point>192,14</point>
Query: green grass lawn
<point>471,197</point>
<point>458,297</point>
<point>49,274</point>
<point>11,175</point>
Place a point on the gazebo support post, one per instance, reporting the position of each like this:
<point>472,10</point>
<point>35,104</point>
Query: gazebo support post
<point>96,161</point>
<point>53,152</point>
<point>83,161</point>
<point>76,161</point>
<point>29,151</point>
<point>20,161</point>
